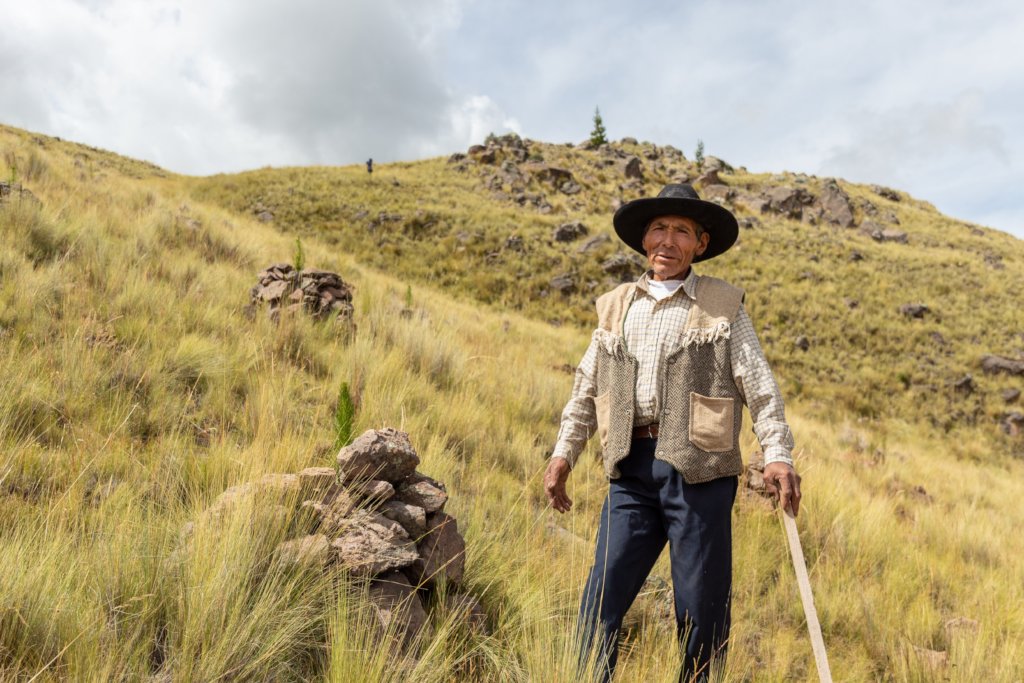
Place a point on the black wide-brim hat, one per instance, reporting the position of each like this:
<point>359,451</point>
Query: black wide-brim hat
<point>680,199</point>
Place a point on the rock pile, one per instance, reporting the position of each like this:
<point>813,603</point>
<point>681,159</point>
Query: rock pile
<point>9,191</point>
<point>379,519</point>
<point>320,293</point>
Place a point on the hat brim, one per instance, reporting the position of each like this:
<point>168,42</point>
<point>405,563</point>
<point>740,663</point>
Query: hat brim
<point>632,218</point>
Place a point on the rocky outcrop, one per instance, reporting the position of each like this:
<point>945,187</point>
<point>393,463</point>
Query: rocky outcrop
<point>319,293</point>
<point>15,191</point>
<point>835,205</point>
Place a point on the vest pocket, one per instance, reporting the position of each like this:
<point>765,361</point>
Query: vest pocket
<point>602,407</point>
<point>711,422</point>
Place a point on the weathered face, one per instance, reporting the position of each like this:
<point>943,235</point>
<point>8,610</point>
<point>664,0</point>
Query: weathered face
<point>671,243</point>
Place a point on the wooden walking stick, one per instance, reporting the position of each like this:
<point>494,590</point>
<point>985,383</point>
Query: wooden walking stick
<point>800,566</point>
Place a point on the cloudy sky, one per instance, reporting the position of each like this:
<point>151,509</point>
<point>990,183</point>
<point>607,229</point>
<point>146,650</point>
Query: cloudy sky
<point>923,96</point>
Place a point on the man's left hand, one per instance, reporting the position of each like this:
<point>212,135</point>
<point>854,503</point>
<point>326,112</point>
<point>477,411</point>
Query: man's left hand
<point>782,482</point>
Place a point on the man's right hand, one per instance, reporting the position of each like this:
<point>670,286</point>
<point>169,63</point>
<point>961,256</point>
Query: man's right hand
<point>554,483</point>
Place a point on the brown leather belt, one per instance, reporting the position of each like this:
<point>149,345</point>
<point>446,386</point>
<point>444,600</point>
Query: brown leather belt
<point>646,432</point>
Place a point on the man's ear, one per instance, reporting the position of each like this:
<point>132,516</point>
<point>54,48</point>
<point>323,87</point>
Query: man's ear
<point>705,239</point>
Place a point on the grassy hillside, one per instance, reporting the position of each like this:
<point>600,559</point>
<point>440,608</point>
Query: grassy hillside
<point>136,390</point>
<point>459,225</point>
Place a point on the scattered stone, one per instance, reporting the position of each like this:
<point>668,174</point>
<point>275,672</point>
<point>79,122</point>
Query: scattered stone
<point>886,192</point>
<point>593,243</point>
<point>622,265</point>
<point>514,243</point>
<point>264,217</point>
<point>570,187</point>
<point>965,385</point>
<point>802,343</point>
<point>385,454</point>
<point>1010,395</point>
<point>856,256</point>
<point>750,222</point>
<point>889,235</point>
<point>568,232</point>
<point>914,310</point>
<point>547,173</point>
<point>996,364</point>
<point>397,606</point>
<point>851,303</point>
<point>563,284</point>
<point>1013,423</point>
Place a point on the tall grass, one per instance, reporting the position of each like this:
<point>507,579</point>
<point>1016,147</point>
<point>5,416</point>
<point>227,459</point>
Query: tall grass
<point>136,390</point>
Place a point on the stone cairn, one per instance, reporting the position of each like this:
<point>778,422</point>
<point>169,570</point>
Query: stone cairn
<point>379,519</point>
<point>320,293</point>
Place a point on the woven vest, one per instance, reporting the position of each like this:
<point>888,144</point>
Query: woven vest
<point>701,407</point>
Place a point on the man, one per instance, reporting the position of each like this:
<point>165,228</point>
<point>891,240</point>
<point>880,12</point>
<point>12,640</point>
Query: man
<point>662,382</point>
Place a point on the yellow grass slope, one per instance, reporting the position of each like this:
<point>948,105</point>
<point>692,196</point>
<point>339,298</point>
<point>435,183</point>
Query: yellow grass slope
<point>135,390</point>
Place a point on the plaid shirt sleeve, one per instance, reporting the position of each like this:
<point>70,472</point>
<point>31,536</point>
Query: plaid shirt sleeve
<point>579,418</point>
<point>760,392</point>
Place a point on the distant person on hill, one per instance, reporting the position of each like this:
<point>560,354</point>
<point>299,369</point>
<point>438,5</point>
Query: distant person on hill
<point>663,382</point>
<point>369,166</point>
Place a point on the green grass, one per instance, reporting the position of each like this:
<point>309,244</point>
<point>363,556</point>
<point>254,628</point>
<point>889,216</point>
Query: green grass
<point>136,390</point>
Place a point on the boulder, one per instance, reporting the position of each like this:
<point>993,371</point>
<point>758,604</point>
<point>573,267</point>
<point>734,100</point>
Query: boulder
<point>567,232</point>
<point>563,284</point>
<point>372,544</point>
<point>718,193</point>
<point>570,187</point>
<point>716,164</point>
<point>802,343</point>
<point>1010,395</point>
<point>709,177</point>
<point>751,202</point>
<point>397,607</point>
<point>996,364</point>
<point>442,552</point>
<point>788,201</point>
<point>378,454</point>
<point>632,168</point>
<point>374,493</point>
<point>835,205</point>
<point>545,172</point>
<point>961,626</point>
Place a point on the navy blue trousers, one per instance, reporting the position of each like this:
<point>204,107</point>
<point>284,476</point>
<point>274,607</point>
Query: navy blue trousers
<point>646,507</point>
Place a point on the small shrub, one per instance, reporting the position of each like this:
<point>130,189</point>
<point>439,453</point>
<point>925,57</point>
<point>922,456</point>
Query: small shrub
<point>344,416</point>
